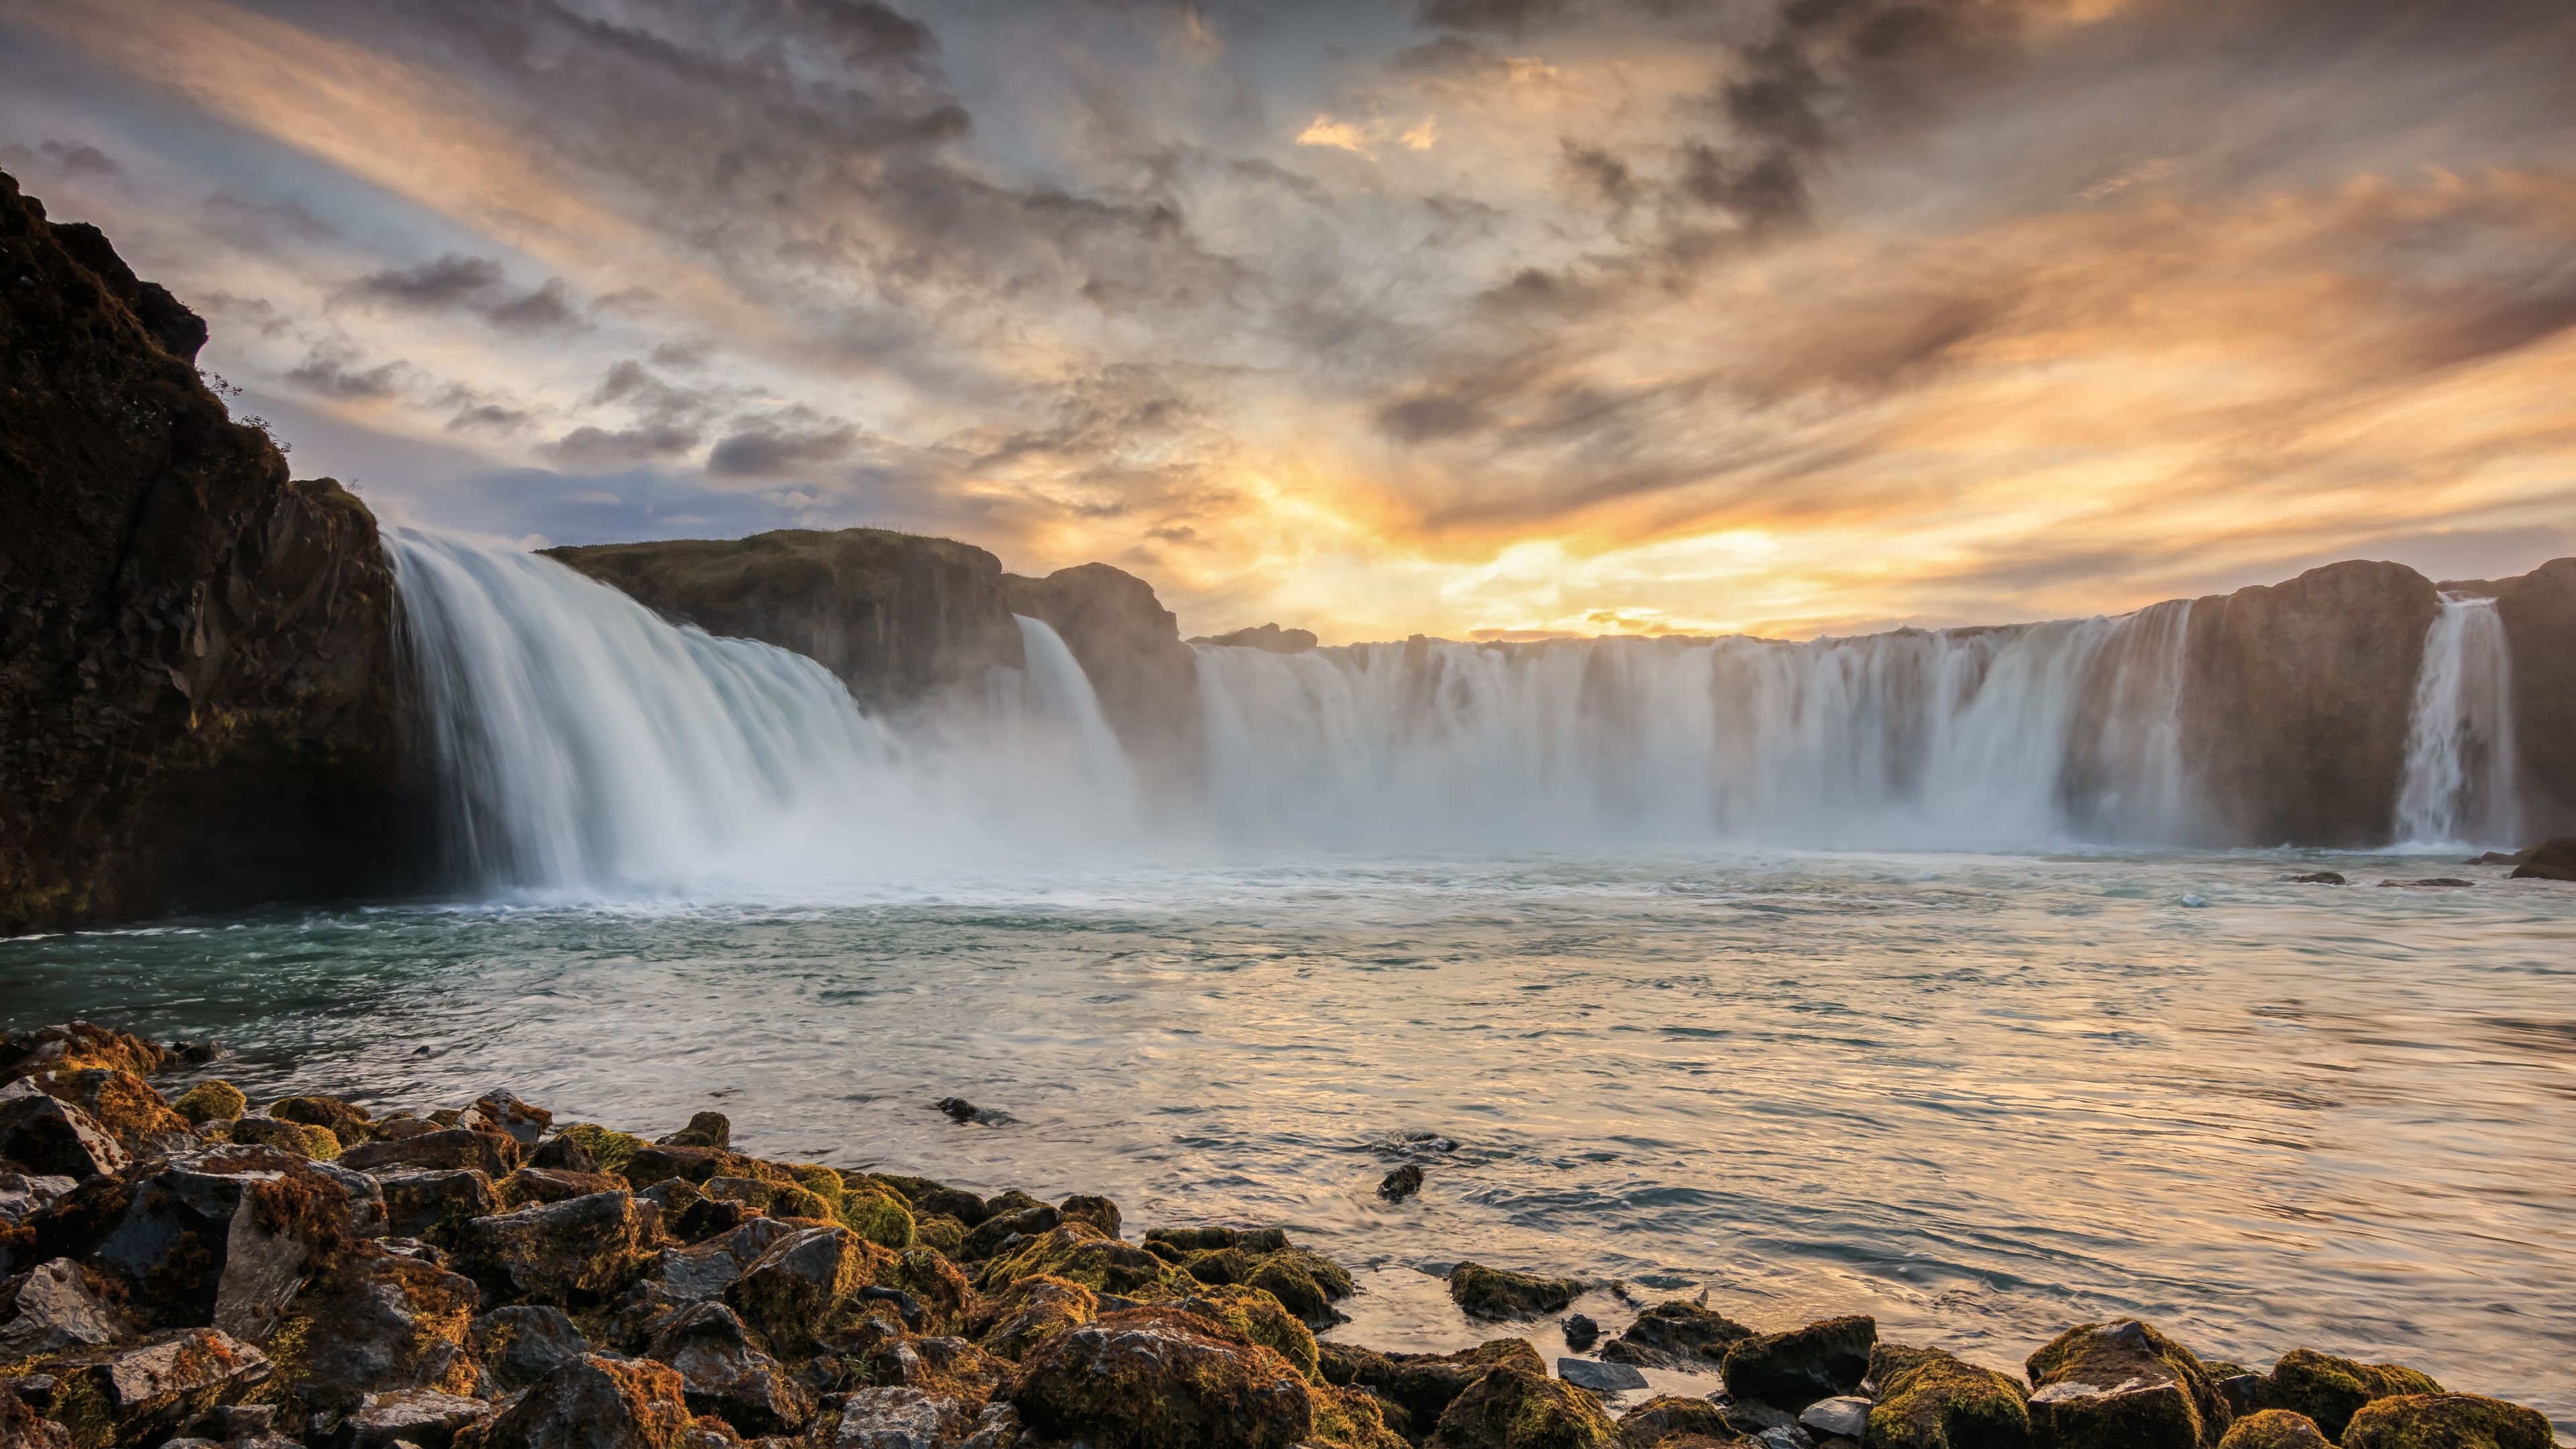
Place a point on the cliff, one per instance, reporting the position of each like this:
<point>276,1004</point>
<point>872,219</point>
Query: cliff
<point>1130,646</point>
<point>2539,613</point>
<point>196,676</point>
<point>899,618</point>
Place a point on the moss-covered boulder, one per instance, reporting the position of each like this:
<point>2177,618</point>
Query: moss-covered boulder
<point>660,1162</point>
<point>349,1122</point>
<point>434,1206</point>
<point>1929,1400</point>
<point>996,1233</point>
<point>593,1402</point>
<point>493,1154</point>
<point>214,1101</point>
<point>1417,1387</point>
<point>2122,1385</point>
<point>1006,1323</point>
<point>225,1237</point>
<point>881,1217</point>
<point>942,1232</point>
<point>78,1044</point>
<point>1256,1316</point>
<point>140,1395</point>
<point>574,1252</point>
<point>1081,1253</point>
<point>1666,1415</point>
<point>531,1185</point>
<point>1352,1418</point>
<point>608,1150</point>
<point>1100,1212</point>
<point>376,1323</point>
<point>806,1286</point>
<point>124,1104</point>
<point>1159,1378</point>
<point>2275,1429</point>
<point>1512,1408</point>
<point>1677,1334</point>
<point>2331,1390</point>
<point>934,1286</point>
<point>1794,1369</point>
<point>705,1129</point>
<point>2446,1421</point>
<point>1501,1293</point>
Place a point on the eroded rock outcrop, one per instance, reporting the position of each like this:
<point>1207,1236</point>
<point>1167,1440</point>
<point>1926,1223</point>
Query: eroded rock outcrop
<point>2538,610</point>
<point>193,642</point>
<point>1129,646</point>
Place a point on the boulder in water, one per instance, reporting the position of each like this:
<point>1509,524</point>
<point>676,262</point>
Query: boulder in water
<point>1928,1399</point>
<point>2553,859</point>
<point>2318,877</point>
<point>1794,1369</point>
<point>1400,1184</point>
<point>2446,1421</point>
<point>1501,1293</point>
<point>1580,1331</point>
<point>2330,1390</point>
<point>2123,1383</point>
<point>1678,1334</point>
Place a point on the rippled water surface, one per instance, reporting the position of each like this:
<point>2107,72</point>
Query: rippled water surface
<point>1982,1097</point>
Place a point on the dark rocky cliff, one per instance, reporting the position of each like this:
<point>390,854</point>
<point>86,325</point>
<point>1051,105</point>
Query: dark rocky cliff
<point>196,675</point>
<point>2295,702</point>
<point>1130,646</point>
<point>2539,613</point>
<point>899,618</point>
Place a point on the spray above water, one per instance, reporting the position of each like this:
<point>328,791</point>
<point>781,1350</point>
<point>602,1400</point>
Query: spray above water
<point>2459,787</point>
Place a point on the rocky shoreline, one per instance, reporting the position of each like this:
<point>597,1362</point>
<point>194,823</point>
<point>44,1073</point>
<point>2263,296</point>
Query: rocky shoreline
<point>195,1269</point>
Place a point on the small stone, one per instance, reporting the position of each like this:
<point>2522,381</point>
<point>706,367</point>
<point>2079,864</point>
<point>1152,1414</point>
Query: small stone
<point>1581,1331</point>
<point>1845,1416</point>
<point>1601,1378</point>
<point>1400,1184</point>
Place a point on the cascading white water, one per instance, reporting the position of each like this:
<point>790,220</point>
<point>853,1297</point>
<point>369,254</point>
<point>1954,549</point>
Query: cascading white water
<point>2459,787</point>
<point>1914,738</point>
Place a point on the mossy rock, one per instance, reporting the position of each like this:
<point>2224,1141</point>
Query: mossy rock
<point>1348,1418</point>
<point>1100,1212</point>
<point>321,1143</point>
<point>878,1216</point>
<point>348,1122</point>
<point>2446,1421</point>
<point>933,1283</point>
<point>1501,1293</point>
<point>940,1231</point>
<point>1256,1316</point>
<point>1007,1323</point>
<point>1158,1378</point>
<point>660,1162</point>
<point>2331,1390</point>
<point>269,1132</point>
<point>211,1102</point>
<point>542,1185</point>
<point>1665,1415</point>
<point>122,1103</point>
<point>705,1129</point>
<point>1930,1400</point>
<point>1677,1334</point>
<point>375,1323</point>
<point>1307,1282</point>
<point>1794,1369</point>
<point>2275,1429</point>
<point>1512,1408</point>
<point>806,1287</point>
<point>814,1177</point>
<point>576,1252</point>
<point>608,1149</point>
<point>2123,1384</point>
<point>1201,1240</point>
<point>1081,1253</point>
<point>1419,1387</point>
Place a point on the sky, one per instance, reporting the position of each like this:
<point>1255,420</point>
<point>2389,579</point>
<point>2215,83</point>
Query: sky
<point>1464,317</point>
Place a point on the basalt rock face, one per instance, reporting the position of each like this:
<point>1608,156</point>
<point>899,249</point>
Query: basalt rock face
<point>196,655</point>
<point>2295,703</point>
<point>899,618</point>
<point>1130,647</point>
<point>2539,615</point>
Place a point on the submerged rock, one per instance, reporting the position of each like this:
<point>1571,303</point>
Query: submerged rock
<point>2122,1383</point>
<point>2331,1390</point>
<point>1928,1399</point>
<point>1794,1369</point>
<point>1581,1332</point>
<point>1500,1293</point>
<point>2318,877</point>
<point>1400,1184</point>
<point>2446,1421</point>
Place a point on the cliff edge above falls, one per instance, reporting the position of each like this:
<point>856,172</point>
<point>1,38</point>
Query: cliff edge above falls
<point>1129,645</point>
<point>899,618</point>
<point>196,675</point>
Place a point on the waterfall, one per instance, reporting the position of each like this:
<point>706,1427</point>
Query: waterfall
<point>2459,787</point>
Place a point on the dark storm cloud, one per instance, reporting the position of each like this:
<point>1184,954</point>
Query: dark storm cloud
<point>333,373</point>
<point>770,450</point>
<point>595,448</point>
<point>476,285</point>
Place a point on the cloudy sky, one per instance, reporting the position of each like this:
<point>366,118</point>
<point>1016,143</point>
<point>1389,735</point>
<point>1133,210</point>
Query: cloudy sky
<point>1790,316</point>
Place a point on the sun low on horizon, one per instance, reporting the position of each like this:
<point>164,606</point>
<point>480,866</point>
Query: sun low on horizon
<point>1476,318</point>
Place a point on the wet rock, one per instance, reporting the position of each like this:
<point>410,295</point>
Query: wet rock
<point>1845,1416</point>
<point>1794,1369</point>
<point>1677,1334</point>
<point>560,1153</point>
<point>1658,1419</point>
<point>1349,1418</point>
<point>138,1395</point>
<point>1754,1419</point>
<point>225,1236</point>
<point>1420,1386</point>
<point>1000,1227</point>
<point>722,1373</point>
<point>609,1151</point>
<point>2446,1421</point>
<point>2275,1429</point>
<point>943,1232</point>
<point>1255,1316</point>
<point>1600,1378</point>
<point>1307,1283</point>
<point>901,1418</point>
<point>506,1112</point>
<point>376,1323</point>
<point>21,1194</point>
<point>402,1127</point>
<point>1400,1184</point>
<point>2553,859</point>
<point>593,1402</point>
<point>1081,1253</point>
<point>803,1287</point>
<point>517,1345</point>
<point>705,1129</point>
<point>1500,1293</point>
<point>1006,1323</point>
<point>210,1102</point>
<point>2331,1390</point>
<point>876,1214</point>
<point>1928,1399</point>
<point>434,1206</point>
<point>1511,1408</point>
<point>574,1251</point>
<point>346,1121</point>
<point>2317,877</point>
<point>934,1285</point>
<point>55,1306</point>
<point>703,1270</point>
<point>2441,881</point>
<point>54,1137</point>
<point>21,1428</point>
<point>281,1136</point>
<point>1100,1212</point>
<point>543,1185</point>
<point>1156,1376</point>
<point>1254,1241</point>
<point>1581,1332</point>
<point>2122,1383</point>
<point>74,1045</point>
<point>422,1417</point>
<point>2245,1392</point>
<point>951,1367</point>
<point>490,1153</point>
<point>661,1162</point>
